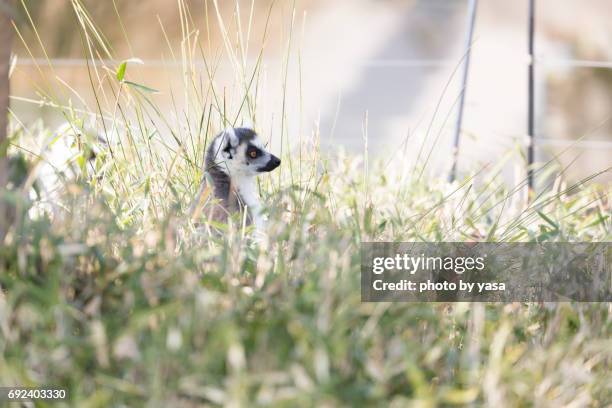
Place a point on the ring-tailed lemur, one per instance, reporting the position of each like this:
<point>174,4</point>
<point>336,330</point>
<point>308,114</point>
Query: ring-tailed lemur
<point>233,160</point>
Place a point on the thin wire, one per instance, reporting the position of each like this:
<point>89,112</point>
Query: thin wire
<point>587,144</point>
<point>373,63</point>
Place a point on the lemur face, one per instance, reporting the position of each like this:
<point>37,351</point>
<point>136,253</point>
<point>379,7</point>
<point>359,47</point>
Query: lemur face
<point>244,154</point>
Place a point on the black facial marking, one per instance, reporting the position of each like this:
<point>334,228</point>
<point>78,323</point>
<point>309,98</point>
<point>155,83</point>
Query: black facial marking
<point>273,163</point>
<point>228,150</point>
<point>253,152</point>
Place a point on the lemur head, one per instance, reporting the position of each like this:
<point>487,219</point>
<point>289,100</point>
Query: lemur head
<point>240,152</point>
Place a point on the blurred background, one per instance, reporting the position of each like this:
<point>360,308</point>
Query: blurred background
<point>357,74</point>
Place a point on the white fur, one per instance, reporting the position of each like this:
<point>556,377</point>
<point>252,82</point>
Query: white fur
<point>230,134</point>
<point>247,189</point>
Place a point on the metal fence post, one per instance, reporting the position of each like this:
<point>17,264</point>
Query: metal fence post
<point>472,7</point>
<point>531,97</point>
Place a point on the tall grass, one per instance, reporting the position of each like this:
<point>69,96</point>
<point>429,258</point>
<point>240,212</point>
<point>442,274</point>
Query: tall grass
<point>118,296</point>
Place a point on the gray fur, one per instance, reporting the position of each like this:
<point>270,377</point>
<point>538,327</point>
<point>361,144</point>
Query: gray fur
<point>221,180</point>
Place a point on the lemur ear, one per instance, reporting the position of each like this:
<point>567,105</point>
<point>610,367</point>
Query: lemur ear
<point>248,123</point>
<point>230,136</point>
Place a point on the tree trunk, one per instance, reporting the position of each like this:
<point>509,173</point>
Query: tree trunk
<point>6,34</point>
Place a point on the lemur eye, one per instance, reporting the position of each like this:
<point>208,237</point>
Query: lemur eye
<point>253,154</point>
